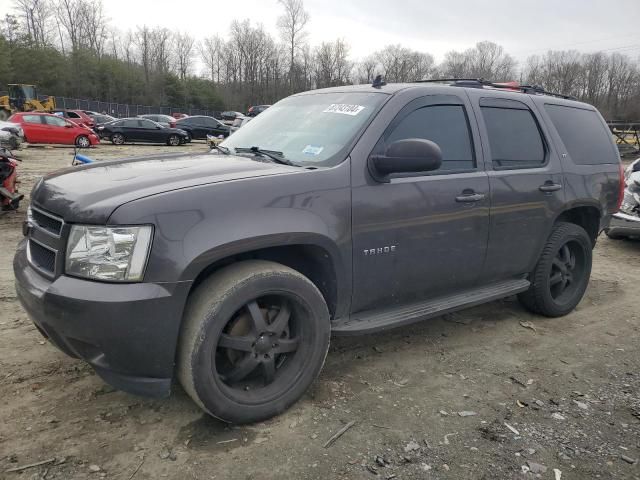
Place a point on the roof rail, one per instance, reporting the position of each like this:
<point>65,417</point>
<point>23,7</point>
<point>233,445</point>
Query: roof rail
<point>481,83</point>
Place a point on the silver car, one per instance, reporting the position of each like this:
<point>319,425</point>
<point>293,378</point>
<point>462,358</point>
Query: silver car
<point>11,135</point>
<point>626,223</point>
<point>239,123</point>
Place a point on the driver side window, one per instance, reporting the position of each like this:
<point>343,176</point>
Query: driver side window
<point>447,126</point>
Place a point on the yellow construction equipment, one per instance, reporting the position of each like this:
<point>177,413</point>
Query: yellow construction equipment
<point>23,98</point>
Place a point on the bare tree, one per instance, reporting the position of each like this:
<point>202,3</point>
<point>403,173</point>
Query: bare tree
<point>486,60</point>
<point>212,53</point>
<point>36,15</point>
<point>184,50</point>
<point>291,26</point>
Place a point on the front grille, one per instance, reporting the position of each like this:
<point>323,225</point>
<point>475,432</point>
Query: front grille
<point>47,222</point>
<point>42,257</point>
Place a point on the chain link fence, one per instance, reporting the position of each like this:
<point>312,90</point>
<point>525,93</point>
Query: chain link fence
<point>122,110</point>
<point>125,110</point>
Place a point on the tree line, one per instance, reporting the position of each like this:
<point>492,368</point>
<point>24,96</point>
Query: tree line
<point>69,48</point>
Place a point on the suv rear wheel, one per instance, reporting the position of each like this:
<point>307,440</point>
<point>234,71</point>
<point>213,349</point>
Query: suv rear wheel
<point>255,336</point>
<point>561,276</point>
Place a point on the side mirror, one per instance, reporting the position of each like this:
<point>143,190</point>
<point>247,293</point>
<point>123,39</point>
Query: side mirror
<point>406,156</point>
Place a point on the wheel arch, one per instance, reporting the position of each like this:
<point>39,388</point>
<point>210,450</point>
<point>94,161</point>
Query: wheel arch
<point>313,257</point>
<point>585,215</point>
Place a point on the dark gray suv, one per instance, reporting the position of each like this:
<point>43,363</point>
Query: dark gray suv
<point>345,211</point>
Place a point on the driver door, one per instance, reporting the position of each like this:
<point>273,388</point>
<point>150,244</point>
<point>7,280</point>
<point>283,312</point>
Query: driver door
<point>425,234</point>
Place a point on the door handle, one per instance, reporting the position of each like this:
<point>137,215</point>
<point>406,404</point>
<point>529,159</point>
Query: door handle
<point>470,197</point>
<point>549,186</point>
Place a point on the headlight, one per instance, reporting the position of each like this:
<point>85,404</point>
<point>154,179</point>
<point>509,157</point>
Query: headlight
<point>117,254</point>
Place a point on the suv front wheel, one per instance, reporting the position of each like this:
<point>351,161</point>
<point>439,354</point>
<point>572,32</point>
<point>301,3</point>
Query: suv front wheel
<point>561,275</point>
<point>255,335</point>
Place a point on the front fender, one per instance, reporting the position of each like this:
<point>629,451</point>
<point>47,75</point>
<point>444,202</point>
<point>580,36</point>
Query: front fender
<point>199,226</point>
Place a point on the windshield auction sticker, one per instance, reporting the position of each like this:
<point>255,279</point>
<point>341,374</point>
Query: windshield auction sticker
<point>344,109</point>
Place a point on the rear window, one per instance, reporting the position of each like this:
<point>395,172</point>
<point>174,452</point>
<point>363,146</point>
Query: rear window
<point>586,139</point>
<point>514,138</point>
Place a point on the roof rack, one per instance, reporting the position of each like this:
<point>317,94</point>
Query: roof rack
<point>481,83</point>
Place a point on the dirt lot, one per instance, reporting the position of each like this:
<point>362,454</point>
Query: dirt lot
<point>467,396</point>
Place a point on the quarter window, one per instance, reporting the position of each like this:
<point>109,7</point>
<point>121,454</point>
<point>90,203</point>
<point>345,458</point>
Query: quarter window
<point>586,139</point>
<point>514,138</point>
<point>445,125</point>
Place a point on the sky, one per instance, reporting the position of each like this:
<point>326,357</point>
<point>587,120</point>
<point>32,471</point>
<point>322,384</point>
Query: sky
<point>523,28</point>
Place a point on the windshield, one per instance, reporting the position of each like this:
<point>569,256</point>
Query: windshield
<point>314,129</point>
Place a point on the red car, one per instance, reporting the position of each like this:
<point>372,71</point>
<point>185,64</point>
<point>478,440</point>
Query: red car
<point>76,116</point>
<point>178,116</point>
<point>48,128</point>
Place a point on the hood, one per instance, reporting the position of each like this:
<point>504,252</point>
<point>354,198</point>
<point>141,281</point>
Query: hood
<point>90,193</point>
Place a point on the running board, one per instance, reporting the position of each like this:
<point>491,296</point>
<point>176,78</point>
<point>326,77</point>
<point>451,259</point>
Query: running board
<point>383,319</point>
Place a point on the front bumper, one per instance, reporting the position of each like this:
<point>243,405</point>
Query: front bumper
<point>127,332</point>
<point>624,225</point>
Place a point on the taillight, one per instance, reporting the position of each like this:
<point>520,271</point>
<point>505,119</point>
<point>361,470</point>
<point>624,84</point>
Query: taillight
<point>621,188</point>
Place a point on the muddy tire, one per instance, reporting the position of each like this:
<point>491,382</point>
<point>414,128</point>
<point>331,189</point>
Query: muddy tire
<point>254,337</point>
<point>117,139</point>
<point>561,275</point>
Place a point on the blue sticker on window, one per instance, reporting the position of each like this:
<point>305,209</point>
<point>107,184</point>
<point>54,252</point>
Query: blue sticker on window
<point>312,150</point>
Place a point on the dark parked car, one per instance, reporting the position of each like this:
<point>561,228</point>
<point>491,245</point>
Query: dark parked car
<point>141,130</point>
<point>199,126</point>
<point>256,110</point>
<point>100,119</point>
<point>347,210</point>
<point>164,120</point>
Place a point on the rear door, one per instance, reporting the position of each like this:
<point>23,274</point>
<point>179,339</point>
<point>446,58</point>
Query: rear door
<point>34,128</point>
<point>132,131</point>
<point>526,181</point>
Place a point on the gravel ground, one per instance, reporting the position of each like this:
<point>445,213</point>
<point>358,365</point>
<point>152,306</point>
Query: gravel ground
<point>488,393</point>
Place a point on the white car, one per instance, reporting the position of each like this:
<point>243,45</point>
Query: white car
<point>11,135</point>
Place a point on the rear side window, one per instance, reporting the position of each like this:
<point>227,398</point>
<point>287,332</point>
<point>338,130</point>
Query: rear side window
<point>32,118</point>
<point>586,139</point>
<point>514,138</point>
<point>73,115</point>
<point>445,125</point>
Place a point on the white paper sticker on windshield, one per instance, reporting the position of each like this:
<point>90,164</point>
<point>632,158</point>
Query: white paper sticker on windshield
<point>312,150</point>
<point>344,109</point>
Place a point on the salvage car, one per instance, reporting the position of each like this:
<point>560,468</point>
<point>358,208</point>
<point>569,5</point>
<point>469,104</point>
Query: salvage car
<point>49,128</point>
<point>626,222</point>
<point>347,210</point>
<point>11,135</point>
<point>199,126</point>
<point>134,130</point>
<point>238,123</point>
